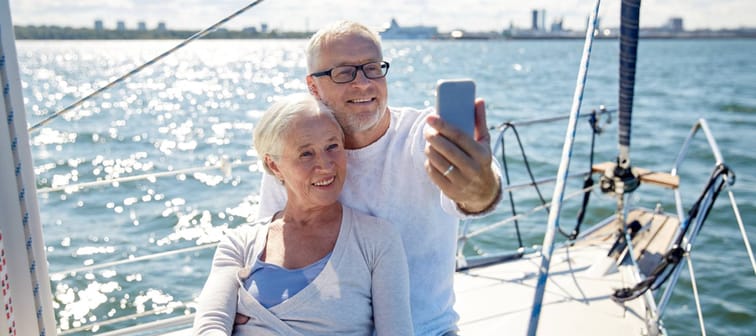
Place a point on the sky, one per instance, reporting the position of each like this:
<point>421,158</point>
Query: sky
<point>447,15</point>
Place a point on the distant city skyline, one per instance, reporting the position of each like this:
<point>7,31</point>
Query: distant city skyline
<point>447,15</point>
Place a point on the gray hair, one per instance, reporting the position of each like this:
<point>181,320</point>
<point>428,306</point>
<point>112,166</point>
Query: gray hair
<point>274,124</point>
<point>334,31</point>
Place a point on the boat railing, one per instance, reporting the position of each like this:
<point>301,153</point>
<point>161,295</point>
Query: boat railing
<point>721,179</point>
<point>225,166</point>
<point>725,180</point>
<point>467,231</point>
<point>162,324</point>
<point>167,325</point>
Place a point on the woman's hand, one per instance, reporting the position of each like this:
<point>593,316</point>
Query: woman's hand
<point>240,319</point>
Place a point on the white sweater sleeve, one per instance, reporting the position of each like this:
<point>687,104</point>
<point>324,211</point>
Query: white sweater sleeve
<point>390,286</point>
<point>217,302</point>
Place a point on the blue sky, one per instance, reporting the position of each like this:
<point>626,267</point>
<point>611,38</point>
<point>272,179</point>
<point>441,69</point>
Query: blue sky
<point>472,15</point>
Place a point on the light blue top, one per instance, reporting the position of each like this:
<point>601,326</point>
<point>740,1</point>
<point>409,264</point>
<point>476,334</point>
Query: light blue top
<point>272,284</point>
<point>362,290</point>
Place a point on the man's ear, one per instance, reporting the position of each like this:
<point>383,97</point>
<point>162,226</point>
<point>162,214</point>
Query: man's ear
<point>312,87</point>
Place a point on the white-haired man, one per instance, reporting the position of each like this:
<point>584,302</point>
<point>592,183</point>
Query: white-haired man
<point>405,165</point>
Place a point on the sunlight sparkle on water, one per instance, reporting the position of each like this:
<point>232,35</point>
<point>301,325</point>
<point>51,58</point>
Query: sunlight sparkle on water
<point>159,300</point>
<point>74,312</point>
<point>49,136</point>
<point>90,250</point>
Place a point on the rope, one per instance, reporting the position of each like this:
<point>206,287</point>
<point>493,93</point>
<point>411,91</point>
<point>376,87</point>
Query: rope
<point>5,287</point>
<point>672,258</point>
<point>21,189</point>
<point>588,182</point>
<point>558,196</point>
<point>196,36</point>
<point>506,174</point>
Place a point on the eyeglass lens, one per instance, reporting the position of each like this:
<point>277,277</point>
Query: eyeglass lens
<point>347,73</point>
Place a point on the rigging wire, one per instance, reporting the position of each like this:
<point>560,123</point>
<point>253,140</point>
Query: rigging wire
<point>506,175</point>
<point>587,185</point>
<point>502,128</point>
<point>588,182</point>
<point>698,213</point>
<point>190,39</point>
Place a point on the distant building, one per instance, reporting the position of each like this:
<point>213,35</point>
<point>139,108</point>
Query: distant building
<point>557,25</point>
<point>675,24</point>
<point>264,28</point>
<point>394,31</point>
<point>141,26</point>
<point>543,19</point>
<point>161,27</point>
<point>534,25</point>
<point>250,30</point>
<point>120,26</point>
<point>98,25</point>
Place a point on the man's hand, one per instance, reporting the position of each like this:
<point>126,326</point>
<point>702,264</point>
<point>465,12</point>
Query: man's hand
<point>461,166</point>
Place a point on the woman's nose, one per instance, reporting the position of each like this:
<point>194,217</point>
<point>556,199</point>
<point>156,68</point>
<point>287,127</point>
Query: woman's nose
<point>325,161</point>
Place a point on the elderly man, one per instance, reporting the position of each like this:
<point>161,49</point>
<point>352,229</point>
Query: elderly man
<point>405,165</point>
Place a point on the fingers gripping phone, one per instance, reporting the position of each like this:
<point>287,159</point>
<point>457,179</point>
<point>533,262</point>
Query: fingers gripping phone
<point>455,103</point>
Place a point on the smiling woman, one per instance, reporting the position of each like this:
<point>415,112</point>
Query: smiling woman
<point>288,272</point>
<point>301,144</point>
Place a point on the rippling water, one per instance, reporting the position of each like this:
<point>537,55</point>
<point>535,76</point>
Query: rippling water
<point>197,108</point>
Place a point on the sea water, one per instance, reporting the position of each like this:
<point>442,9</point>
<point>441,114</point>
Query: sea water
<point>197,108</point>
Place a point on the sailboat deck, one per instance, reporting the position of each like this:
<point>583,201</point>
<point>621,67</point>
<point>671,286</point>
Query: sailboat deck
<point>497,299</point>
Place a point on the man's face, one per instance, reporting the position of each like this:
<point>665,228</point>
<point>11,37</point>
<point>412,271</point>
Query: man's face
<point>360,105</point>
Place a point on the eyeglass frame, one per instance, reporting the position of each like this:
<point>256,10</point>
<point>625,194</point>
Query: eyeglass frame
<point>356,68</point>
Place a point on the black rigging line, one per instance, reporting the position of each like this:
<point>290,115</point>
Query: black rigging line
<point>672,258</point>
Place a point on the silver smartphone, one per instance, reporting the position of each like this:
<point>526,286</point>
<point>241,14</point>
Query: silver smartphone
<point>455,103</point>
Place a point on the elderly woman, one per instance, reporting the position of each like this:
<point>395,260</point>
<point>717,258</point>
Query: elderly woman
<point>316,267</point>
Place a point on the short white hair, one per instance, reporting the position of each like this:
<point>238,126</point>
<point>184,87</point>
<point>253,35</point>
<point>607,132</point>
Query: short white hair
<point>274,124</point>
<point>334,31</point>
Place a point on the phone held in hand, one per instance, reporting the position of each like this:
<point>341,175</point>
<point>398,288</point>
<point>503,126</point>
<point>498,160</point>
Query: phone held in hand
<point>455,103</point>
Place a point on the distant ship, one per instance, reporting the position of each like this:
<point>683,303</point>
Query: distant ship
<point>395,32</point>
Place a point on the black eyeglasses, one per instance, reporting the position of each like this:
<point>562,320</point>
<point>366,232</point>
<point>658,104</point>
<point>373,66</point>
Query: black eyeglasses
<point>347,73</point>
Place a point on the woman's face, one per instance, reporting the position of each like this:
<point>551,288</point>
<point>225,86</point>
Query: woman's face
<point>313,161</point>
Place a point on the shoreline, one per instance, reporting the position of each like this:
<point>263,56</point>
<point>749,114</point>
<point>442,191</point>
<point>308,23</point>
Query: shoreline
<point>68,33</point>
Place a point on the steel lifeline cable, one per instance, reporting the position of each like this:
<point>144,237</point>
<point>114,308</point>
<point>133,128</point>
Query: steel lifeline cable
<point>183,43</point>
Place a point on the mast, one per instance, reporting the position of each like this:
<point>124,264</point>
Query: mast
<point>628,55</point>
<point>621,179</point>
